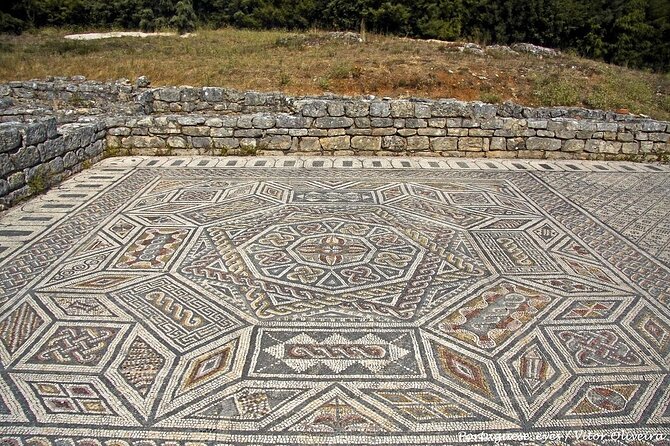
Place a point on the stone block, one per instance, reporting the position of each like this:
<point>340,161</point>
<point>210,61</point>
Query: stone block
<point>625,137</point>
<point>222,132</point>
<point>169,94</point>
<point>380,109</point>
<point>25,157</point>
<point>336,143</point>
<point>630,147</point>
<point>471,144</point>
<point>602,146</point>
<point>191,120</point>
<point>293,122</point>
<point>201,142</point>
<point>362,123</point>
<point>543,144</point>
<point>358,109</point>
<point>431,131</point>
<point>444,144</point>
<point>498,144</point>
<point>263,121</point>
<point>176,142</point>
<point>414,123</point>
<point>6,165</point>
<point>16,180</point>
<point>384,131</point>
<point>119,131</point>
<point>418,143</point>
<point>507,154</point>
<point>225,143</point>
<point>196,131</point>
<point>607,127</point>
<point>450,109</point>
<point>366,142</point>
<point>402,109</point>
<point>333,123</point>
<point>213,94</point>
<point>278,142</point>
<point>34,133</point>
<point>10,137</point>
<point>394,143</point>
<point>310,144</point>
<point>335,108</point>
<point>381,122</point>
<point>573,145</point>
<point>422,110</point>
<point>315,109</point>
<point>541,124</point>
<point>439,123</point>
<point>248,133</point>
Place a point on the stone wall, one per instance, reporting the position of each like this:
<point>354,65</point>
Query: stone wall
<point>218,121</point>
<point>53,127</point>
<point>37,155</point>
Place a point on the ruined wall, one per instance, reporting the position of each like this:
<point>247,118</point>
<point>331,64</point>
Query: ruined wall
<point>51,127</point>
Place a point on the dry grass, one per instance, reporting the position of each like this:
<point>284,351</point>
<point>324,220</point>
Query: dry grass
<point>384,66</point>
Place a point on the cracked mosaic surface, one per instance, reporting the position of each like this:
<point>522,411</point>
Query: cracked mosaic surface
<point>284,305</point>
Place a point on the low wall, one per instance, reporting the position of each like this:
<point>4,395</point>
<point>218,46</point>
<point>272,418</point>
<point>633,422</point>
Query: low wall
<point>52,127</point>
<point>37,155</point>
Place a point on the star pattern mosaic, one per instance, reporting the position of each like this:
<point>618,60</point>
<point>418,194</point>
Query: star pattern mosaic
<point>205,302</point>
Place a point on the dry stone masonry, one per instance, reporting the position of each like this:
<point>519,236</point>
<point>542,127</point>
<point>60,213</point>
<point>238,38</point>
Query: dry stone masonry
<point>51,127</point>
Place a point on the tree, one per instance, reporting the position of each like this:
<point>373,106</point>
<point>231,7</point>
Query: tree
<point>184,19</point>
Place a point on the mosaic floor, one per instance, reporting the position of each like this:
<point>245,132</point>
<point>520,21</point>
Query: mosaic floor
<point>318,301</point>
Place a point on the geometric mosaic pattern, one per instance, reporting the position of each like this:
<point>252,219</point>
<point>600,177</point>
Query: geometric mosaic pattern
<point>201,302</point>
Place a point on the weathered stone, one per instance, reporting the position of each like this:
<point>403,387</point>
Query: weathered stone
<point>471,144</point>
<point>279,142</point>
<point>336,143</point>
<point>196,131</point>
<point>315,109</point>
<point>145,142</point>
<point>176,142</point>
<point>56,165</point>
<point>6,165</point>
<point>213,94</point>
<point>25,157</point>
<point>431,131</point>
<point>601,146</point>
<point>384,131</point>
<point>625,137</point>
<point>659,137</point>
<point>630,147</point>
<point>362,123</point>
<point>413,123</point>
<point>545,133</point>
<point>332,123</point>
<point>394,143</point>
<point>502,154</point>
<point>607,127</point>
<point>223,132</point>
<point>119,131</point>
<point>573,145</point>
<point>191,120</point>
<point>498,144</point>
<point>336,132</point>
<point>293,122</point>
<point>51,149</point>
<point>407,132</point>
<point>402,109</point>
<point>444,144</point>
<point>169,94</point>
<point>16,180</point>
<point>214,122</point>
<point>418,143</point>
<point>310,144</point>
<point>248,133</point>
<point>244,122</point>
<point>380,109</point>
<point>357,109</point>
<point>10,137</point>
<point>335,108</point>
<point>422,110</point>
<point>201,142</point>
<point>537,123</point>
<point>263,121</point>
<point>381,122</point>
<point>35,133</point>
<point>439,123</point>
<point>480,132</point>
<point>543,144</point>
<point>449,109</point>
<point>653,126</point>
<point>457,132</point>
<point>366,142</point>
<point>225,143</point>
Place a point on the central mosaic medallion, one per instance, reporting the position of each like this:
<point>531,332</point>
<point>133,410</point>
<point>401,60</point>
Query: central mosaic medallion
<point>332,256</point>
